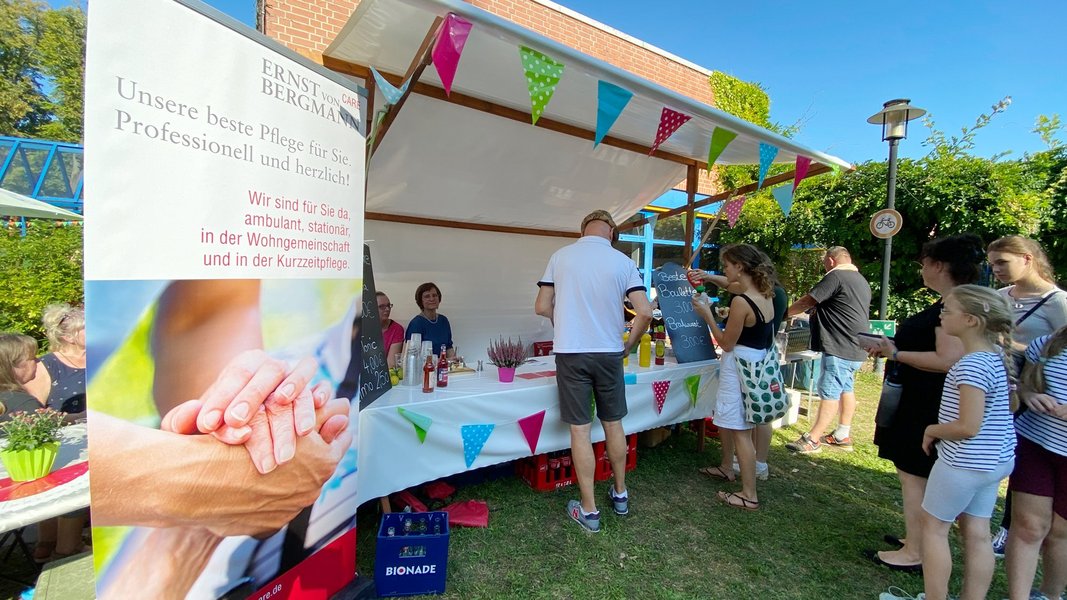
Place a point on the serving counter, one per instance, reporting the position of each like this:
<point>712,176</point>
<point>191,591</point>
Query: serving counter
<point>408,437</point>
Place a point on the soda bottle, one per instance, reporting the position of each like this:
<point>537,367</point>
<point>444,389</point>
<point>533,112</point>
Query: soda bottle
<point>442,368</point>
<point>661,348</point>
<point>427,368</point>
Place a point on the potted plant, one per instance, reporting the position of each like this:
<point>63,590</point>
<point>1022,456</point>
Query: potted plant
<point>507,356</point>
<point>32,443</point>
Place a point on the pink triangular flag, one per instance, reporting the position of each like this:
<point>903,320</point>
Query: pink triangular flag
<point>669,122</point>
<point>803,162</point>
<point>531,429</point>
<point>733,210</point>
<point>659,392</point>
<point>448,48</point>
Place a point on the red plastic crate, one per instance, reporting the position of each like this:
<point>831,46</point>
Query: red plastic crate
<point>710,429</point>
<point>551,471</point>
<point>602,470</point>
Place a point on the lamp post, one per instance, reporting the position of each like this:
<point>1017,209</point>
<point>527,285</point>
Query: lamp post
<point>893,118</point>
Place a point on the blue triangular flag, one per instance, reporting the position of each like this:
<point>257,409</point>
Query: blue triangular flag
<point>610,100</point>
<point>784,195</point>
<point>392,93</point>
<point>474,437</point>
<point>767,153</point>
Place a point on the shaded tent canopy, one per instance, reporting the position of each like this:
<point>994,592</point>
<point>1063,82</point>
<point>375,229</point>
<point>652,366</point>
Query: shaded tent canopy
<point>16,205</point>
<point>474,157</point>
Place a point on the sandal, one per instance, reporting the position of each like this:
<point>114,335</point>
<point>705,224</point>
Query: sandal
<point>738,501</point>
<point>716,472</point>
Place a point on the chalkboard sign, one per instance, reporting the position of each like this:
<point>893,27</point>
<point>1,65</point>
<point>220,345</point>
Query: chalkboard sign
<point>690,337</point>
<point>369,353</point>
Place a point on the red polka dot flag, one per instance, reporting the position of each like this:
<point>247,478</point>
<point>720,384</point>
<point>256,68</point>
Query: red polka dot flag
<point>659,393</point>
<point>669,122</point>
<point>733,210</point>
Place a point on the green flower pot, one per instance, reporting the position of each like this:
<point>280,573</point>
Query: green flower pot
<point>27,465</point>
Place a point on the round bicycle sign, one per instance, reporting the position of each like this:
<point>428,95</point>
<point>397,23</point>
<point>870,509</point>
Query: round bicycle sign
<point>886,223</point>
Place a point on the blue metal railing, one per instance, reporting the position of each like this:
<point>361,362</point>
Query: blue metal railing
<point>43,170</point>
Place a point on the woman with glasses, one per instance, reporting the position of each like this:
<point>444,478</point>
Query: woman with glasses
<point>921,354</point>
<point>392,332</point>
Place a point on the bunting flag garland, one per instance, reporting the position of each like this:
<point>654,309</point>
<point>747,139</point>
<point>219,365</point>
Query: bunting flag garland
<point>803,162</point>
<point>542,76</point>
<point>392,93</point>
<point>692,384</point>
<point>720,139</point>
<point>474,437</point>
<point>421,422</point>
<point>659,393</point>
<point>531,429</point>
<point>784,195</point>
<point>669,122</point>
<point>448,48</point>
<point>610,101</point>
<point>733,210</point>
<point>767,153</point>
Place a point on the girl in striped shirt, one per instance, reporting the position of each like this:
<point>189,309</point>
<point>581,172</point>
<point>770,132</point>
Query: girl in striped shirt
<point>975,442</point>
<point>1039,483</point>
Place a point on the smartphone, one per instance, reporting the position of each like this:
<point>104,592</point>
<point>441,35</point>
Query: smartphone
<point>868,341</point>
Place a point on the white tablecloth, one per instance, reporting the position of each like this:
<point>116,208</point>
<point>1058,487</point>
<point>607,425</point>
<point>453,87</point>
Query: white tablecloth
<point>70,496</point>
<point>391,458</point>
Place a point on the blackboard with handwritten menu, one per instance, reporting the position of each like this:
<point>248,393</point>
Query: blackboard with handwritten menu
<point>374,371</point>
<point>690,337</point>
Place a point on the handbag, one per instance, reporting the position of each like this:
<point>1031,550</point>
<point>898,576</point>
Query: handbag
<point>762,388</point>
<point>889,401</point>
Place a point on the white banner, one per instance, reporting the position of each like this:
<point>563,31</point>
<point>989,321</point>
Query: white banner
<point>209,155</point>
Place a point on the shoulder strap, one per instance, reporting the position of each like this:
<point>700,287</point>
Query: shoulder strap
<point>1033,308</point>
<point>755,309</point>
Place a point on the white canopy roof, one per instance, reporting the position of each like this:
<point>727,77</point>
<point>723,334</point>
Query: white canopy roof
<point>13,204</point>
<point>441,160</point>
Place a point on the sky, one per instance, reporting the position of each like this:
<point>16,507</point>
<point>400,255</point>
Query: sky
<point>831,64</point>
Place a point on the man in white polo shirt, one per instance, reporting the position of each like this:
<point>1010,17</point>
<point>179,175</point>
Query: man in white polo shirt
<point>582,293</point>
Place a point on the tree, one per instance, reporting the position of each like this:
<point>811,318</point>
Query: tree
<point>42,65</point>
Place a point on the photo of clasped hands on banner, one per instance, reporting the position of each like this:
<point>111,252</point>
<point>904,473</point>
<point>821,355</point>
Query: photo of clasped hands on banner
<point>245,442</point>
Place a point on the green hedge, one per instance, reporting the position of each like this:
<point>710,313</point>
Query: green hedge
<point>43,267</point>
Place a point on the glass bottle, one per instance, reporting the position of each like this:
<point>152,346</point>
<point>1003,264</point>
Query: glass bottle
<point>427,369</point>
<point>442,368</point>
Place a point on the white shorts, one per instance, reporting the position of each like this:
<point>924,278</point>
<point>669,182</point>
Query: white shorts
<point>951,491</point>
<point>729,407</point>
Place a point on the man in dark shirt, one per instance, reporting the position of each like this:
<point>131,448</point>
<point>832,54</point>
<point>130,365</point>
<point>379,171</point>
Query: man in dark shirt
<point>842,303</point>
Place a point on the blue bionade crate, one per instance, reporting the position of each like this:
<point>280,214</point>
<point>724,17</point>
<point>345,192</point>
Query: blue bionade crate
<point>412,554</point>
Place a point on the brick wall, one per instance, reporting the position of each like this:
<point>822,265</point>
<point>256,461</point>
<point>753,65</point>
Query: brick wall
<point>308,27</point>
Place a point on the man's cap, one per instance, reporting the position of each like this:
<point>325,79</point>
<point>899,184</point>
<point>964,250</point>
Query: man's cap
<point>605,216</point>
<point>600,215</point>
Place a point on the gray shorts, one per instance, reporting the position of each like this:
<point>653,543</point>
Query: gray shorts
<point>578,376</point>
<point>951,492</point>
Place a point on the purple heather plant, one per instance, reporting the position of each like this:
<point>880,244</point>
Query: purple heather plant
<point>507,354</point>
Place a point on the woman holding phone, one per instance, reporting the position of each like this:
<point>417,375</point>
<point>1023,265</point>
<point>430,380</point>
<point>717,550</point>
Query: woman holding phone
<point>921,355</point>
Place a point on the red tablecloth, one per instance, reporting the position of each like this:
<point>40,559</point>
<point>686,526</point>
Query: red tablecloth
<point>14,490</point>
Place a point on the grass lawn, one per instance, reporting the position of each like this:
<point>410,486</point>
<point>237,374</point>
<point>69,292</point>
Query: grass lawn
<point>817,514</point>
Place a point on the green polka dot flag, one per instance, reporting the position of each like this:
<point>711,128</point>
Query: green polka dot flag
<point>542,77</point>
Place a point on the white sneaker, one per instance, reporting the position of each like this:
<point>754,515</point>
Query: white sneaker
<point>761,474</point>
<point>895,593</point>
<point>1000,541</point>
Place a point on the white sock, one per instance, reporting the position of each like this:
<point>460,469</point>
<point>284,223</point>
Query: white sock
<point>621,496</point>
<point>761,466</point>
<point>842,431</point>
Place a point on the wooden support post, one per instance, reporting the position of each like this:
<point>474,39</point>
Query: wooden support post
<point>690,213</point>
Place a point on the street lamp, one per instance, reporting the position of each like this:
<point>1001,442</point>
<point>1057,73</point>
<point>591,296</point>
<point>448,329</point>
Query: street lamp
<point>893,118</point>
